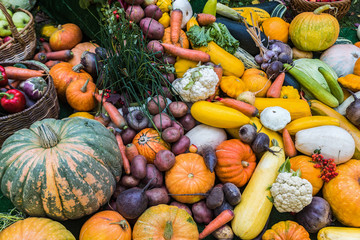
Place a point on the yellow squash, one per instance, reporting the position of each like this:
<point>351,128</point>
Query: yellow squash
<point>309,122</point>
<point>260,14</point>
<point>338,233</point>
<point>182,65</point>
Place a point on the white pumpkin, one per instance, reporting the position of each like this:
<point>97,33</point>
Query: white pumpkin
<point>342,58</point>
<point>333,142</point>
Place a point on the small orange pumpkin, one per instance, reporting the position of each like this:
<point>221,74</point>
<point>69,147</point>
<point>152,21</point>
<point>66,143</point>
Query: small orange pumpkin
<point>63,74</point>
<point>66,37</point>
<point>357,44</point>
<point>189,175</point>
<point>236,162</point>
<point>79,49</point>
<point>286,230</point>
<point>232,86</point>
<point>256,81</point>
<point>148,142</point>
<point>276,29</point>
<point>79,95</point>
<point>183,40</point>
<point>308,172</point>
<point>106,225</point>
<point>357,67</point>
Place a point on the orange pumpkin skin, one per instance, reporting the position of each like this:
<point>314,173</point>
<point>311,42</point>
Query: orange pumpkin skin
<point>79,100</point>
<point>63,74</point>
<point>66,37</point>
<point>342,193</point>
<point>308,172</point>
<point>165,222</point>
<point>236,162</point>
<point>79,49</point>
<point>148,142</point>
<point>256,80</point>
<point>357,67</point>
<point>106,225</point>
<point>286,230</point>
<point>189,175</point>
<point>183,40</point>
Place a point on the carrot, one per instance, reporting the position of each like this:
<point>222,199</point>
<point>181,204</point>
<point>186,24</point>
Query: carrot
<point>289,146</point>
<point>121,146</point>
<point>189,54</point>
<point>113,112</point>
<point>131,151</point>
<point>40,56</point>
<point>46,46</point>
<point>223,218</point>
<point>205,19</point>
<point>219,71</point>
<point>247,109</point>
<point>275,88</point>
<point>63,55</point>
<point>176,17</point>
<point>15,84</point>
<point>52,63</point>
<point>22,73</point>
<point>102,118</point>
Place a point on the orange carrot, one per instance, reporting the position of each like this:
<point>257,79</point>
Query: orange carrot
<point>176,17</point>
<point>131,151</point>
<point>63,55</point>
<point>102,118</point>
<point>247,109</point>
<point>189,54</point>
<point>22,73</point>
<point>205,19</point>
<point>113,112</point>
<point>52,63</point>
<point>15,84</point>
<point>46,46</point>
<point>289,146</point>
<point>40,57</point>
<point>223,218</point>
<point>121,146</point>
<point>275,88</point>
<point>219,71</point>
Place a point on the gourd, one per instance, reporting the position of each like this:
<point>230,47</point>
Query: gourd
<point>47,30</point>
<point>246,58</point>
<point>232,86</point>
<point>66,37</point>
<point>256,81</point>
<point>165,222</point>
<point>261,15</point>
<point>289,92</point>
<point>79,49</point>
<point>183,40</point>
<point>79,95</point>
<point>36,228</point>
<point>357,67</point>
<point>182,65</point>
<point>333,142</point>
<point>63,169</point>
<point>82,114</point>
<point>351,82</point>
<point>309,122</point>
<point>338,233</point>
<point>276,28</point>
<point>254,209</point>
<point>286,230</point>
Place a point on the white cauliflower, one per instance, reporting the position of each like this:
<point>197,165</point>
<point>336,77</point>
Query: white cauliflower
<point>291,193</point>
<point>197,83</point>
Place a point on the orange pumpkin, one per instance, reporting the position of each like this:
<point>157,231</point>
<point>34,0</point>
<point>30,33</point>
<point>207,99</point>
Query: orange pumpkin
<point>357,44</point>
<point>357,67</point>
<point>164,222</point>
<point>308,172</point>
<point>256,81</point>
<point>232,86</point>
<point>79,95</point>
<point>236,162</point>
<point>189,175</point>
<point>148,142</point>
<point>66,37</point>
<point>342,193</point>
<point>106,225</point>
<point>276,28</point>
<point>79,49</point>
<point>63,74</point>
<point>183,40</point>
<point>286,230</point>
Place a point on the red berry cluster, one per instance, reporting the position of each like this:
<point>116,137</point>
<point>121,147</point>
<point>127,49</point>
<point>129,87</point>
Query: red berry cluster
<point>327,166</point>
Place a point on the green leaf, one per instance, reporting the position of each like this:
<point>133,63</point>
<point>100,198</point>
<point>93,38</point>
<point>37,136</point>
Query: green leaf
<point>269,187</point>
<point>285,167</point>
<point>271,199</point>
<point>297,173</point>
<point>274,142</point>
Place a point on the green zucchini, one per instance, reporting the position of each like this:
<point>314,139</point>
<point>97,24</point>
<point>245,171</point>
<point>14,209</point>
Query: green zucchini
<point>279,11</point>
<point>334,86</point>
<point>246,58</point>
<point>342,40</point>
<point>312,86</point>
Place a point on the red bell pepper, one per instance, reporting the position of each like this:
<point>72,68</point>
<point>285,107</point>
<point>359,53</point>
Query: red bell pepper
<point>13,101</point>
<point>3,77</point>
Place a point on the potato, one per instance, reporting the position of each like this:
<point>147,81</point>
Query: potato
<point>134,2</point>
<point>168,59</point>
<point>178,125</point>
<point>202,214</point>
<point>156,105</point>
<point>171,134</point>
<point>152,173</point>
<point>138,167</point>
<point>128,135</point>
<point>224,233</point>
<point>167,92</point>
<point>178,109</point>
<point>135,13</point>
<point>187,121</point>
<point>232,193</point>
<point>157,196</point>
<point>170,77</point>
<point>153,11</point>
<point>119,188</point>
<point>182,206</point>
<point>129,181</point>
<point>162,121</point>
<point>215,198</point>
<point>181,146</point>
<point>164,160</point>
<point>151,28</point>
<point>154,46</point>
<point>149,2</point>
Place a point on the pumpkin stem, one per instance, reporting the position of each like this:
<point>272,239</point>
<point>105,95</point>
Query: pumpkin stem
<point>168,231</point>
<point>59,27</point>
<point>78,67</point>
<point>48,137</point>
<point>245,164</point>
<point>83,88</point>
<point>123,224</point>
<point>319,10</point>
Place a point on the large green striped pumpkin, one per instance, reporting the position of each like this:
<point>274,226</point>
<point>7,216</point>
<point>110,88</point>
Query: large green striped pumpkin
<point>63,169</point>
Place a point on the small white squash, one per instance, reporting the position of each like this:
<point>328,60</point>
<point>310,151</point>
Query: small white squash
<point>333,142</point>
<point>343,106</point>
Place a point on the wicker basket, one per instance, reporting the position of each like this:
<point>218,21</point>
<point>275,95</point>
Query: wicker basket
<point>23,44</point>
<point>45,107</point>
<point>342,7</point>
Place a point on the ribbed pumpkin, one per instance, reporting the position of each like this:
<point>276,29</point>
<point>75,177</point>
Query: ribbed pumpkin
<point>36,229</point>
<point>308,172</point>
<point>148,142</point>
<point>79,95</point>
<point>276,28</point>
<point>165,222</point>
<point>66,37</point>
<point>63,169</point>
<point>236,162</point>
<point>286,230</point>
<point>256,81</point>
<point>314,31</point>
<point>64,73</point>
<point>357,67</point>
<point>106,225</point>
<point>232,86</point>
<point>183,40</point>
<point>342,193</point>
<point>189,175</point>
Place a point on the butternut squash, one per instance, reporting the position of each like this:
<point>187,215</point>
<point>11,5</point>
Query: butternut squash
<point>338,233</point>
<point>309,122</point>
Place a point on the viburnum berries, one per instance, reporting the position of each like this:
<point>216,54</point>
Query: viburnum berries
<point>327,166</point>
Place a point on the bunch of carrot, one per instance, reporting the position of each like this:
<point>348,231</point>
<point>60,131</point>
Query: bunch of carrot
<point>51,58</point>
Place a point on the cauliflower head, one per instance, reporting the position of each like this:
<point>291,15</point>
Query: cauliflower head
<point>197,83</point>
<point>291,193</point>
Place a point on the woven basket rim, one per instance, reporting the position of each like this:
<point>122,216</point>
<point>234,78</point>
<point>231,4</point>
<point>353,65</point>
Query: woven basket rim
<point>324,3</point>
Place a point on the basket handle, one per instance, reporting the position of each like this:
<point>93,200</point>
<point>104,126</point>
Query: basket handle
<point>13,29</point>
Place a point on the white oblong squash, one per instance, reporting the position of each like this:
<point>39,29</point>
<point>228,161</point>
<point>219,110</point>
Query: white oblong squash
<point>333,142</point>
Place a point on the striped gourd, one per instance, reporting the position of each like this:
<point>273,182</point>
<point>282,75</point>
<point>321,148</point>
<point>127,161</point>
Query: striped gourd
<point>246,58</point>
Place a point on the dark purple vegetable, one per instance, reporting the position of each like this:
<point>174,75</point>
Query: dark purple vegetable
<point>315,216</point>
<point>168,78</point>
<point>157,196</point>
<point>168,59</point>
<point>225,205</point>
<point>209,156</point>
<point>215,198</point>
<point>274,69</point>
<point>155,47</point>
<point>137,120</point>
<point>101,52</point>
<point>280,47</point>
<point>182,206</point>
<point>353,111</point>
<point>188,122</point>
<point>128,135</point>
<point>247,133</point>
<point>91,63</point>
<point>261,143</point>
<point>181,146</point>
<point>129,181</point>
<point>284,58</point>
<point>231,193</point>
<point>138,167</point>
<point>178,125</point>
<point>164,160</point>
<point>34,87</point>
<point>153,11</point>
<point>202,214</point>
<point>154,175</point>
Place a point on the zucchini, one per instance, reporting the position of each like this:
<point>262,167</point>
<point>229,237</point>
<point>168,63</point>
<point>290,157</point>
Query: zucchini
<point>310,122</point>
<point>291,81</point>
<point>338,233</point>
<point>334,86</point>
<point>279,11</point>
<point>246,58</point>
